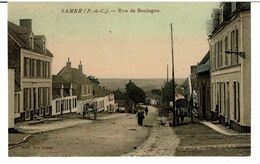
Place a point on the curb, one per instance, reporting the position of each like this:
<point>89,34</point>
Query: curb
<point>208,147</point>
<point>25,139</point>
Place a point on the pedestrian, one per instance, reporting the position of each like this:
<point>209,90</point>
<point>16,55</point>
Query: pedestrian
<point>84,111</point>
<point>146,111</point>
<point>95,113</point>
<point>140,117</point>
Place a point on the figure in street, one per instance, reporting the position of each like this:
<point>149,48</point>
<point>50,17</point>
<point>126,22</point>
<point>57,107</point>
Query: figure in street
<point>146,111</point>
<point>95,113</point>
<point>140,117</point>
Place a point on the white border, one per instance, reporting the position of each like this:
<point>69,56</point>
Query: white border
<point>255,11</point>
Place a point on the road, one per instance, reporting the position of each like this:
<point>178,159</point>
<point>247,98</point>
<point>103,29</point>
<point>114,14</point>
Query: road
<point>113,137</point>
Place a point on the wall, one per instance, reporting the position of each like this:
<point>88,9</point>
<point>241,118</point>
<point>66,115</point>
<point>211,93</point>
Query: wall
<point>11,98</point>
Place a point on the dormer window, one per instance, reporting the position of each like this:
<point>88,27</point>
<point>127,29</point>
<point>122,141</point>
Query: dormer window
<point>233,6</point>
<point>31,41</point>
<point>44,45</point>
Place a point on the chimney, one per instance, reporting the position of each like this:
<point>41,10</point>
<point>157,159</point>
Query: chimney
<point>26,23</point>
<point>68,63</point>
<point>80,67</point>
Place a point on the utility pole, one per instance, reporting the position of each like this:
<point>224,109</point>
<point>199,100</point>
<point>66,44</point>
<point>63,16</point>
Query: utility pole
<point>167,74</point>
<point>173,81</point>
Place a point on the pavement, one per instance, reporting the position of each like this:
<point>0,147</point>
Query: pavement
<point>162,141</point>
<point>222,129</point>
<point>26,129</point>
<point>110,137</point>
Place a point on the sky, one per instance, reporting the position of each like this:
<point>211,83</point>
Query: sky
<point>120,45</point>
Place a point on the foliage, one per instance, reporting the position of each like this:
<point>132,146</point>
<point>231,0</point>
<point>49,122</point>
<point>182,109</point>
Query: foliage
<point>167,91</point>
<point>156,92</point>
<point>119,95</point>
<point>135,93</point>
<point>93,80</point>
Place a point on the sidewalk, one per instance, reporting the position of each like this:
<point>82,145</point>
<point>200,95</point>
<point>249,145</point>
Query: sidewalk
<point>162,142</point>
<point>67,121</point>
<point>222,129</point>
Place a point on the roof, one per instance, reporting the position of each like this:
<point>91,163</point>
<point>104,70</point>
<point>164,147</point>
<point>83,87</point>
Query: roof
<point>100,92</point>
<point>204,64</point>
<point>73,75</point>
<point>242,6</point>
<point>20,34</point>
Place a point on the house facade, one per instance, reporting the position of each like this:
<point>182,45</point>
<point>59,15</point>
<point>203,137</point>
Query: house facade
<point>64,99</point>
<point>32,63</point>
<point>203,88</point>
<point>82,86</point>
<point>230,58</point>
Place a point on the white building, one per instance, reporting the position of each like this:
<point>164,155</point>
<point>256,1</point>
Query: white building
<point>230,71</point>
<point>32,61</point>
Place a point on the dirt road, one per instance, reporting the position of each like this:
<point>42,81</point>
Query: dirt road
<point>113,137</point>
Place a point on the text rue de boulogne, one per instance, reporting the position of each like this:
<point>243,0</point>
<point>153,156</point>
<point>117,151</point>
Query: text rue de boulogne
<point>106,11</point>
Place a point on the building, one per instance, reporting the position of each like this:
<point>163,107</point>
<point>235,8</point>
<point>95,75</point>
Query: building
<point>82,86</point>
<point>203,88</point>
<point>11,95</point>
<point>64,98</point>
<point>103,100</point>
<point>32,63</point>
<point>230,57</point>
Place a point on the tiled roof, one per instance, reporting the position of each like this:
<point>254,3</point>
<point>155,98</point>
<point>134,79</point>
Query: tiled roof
<point>73,75</point>
<point>204,65</point>
<point>100,92</point>
<point>20,33</point>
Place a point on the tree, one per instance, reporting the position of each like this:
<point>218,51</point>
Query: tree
<point>119,95</point>
<point>135,93</point>
<point>93,79</point>
<point>157,92</point>
<point>167,92</point>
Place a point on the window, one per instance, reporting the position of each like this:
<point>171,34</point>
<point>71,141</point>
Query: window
<point>220,54</point>
<point>38,68</point>
<point>226,48</point>
<point>75,101</point>
<point>235,99</point>
<point>27,98</point>
<point>44,46</point>
<point>58,106</point>
<point>238,102</point>
<point>69,104</point>
<point>233,6</point>
<point>39,97</point>
<point>234,46</point>
<point>34,98</point>
<point>224,98</point>
<point>17,103</point>
<point>41,111</point>
<point>220,97</point>
<point>31,41</point>
<point>217,55</point>
<point>26,67</point>
<point>46,110</point>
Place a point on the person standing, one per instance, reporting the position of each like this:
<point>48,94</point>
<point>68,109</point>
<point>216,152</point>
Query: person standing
<point>146,111</point>
<point>140,117</point>
<point>95,113</point>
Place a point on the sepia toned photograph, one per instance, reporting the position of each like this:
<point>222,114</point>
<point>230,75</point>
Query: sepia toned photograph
<point>129,79</point>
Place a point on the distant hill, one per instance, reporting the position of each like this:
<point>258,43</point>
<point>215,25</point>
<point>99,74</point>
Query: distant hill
<point>145,84</point>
